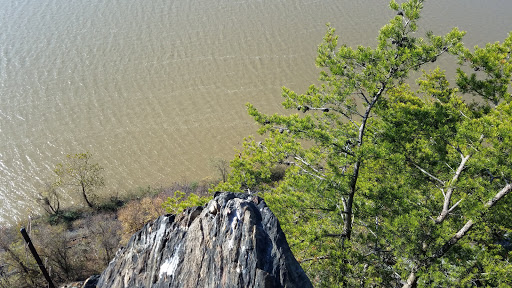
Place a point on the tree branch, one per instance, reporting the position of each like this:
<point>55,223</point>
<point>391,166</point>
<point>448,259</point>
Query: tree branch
<point>320,208</point>
<point>449,192</point>
<point>310,167</point>
<point>314,258</point>
<point>335,235</point>
<point>454,206</point>
<point>342,149</point>
<point>307,107</point>
<point>347,225</point>
<point>364,96</point>
<point>346,116</point>
<point>411,280</point>
<point>426,172</point>
<point>503,192</point>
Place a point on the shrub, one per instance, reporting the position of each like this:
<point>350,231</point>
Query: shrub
<point>137,213</point>
<point>178,202</point>
<point>59,247</point>
<point>104,237</point>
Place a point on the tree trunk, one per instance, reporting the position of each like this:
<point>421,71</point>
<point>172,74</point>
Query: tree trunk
<point>84,194</point>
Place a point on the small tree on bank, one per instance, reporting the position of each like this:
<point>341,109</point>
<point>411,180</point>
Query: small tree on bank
<point>388,185</point>
<point>49,199</point>
<point>81,175</point>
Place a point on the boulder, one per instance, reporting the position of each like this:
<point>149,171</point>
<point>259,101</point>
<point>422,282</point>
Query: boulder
<point>233,241</point>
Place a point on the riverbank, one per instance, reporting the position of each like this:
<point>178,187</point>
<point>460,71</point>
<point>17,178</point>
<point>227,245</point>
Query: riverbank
<point>79,242</point>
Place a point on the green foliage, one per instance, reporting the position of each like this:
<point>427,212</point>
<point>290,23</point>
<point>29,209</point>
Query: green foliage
<point>385,184</point>
<point>496,68</point>
<point>179,202</point>
<point>66,216</point>
<point>81,175</point>
<point>112,204</point>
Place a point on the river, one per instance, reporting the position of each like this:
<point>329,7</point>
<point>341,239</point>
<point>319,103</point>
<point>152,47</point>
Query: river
<point>155,90</point>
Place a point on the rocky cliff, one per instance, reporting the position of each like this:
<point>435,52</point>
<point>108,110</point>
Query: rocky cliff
<point>233,241</point>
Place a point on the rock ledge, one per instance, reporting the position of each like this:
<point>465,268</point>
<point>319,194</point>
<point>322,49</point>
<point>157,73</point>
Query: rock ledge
<point>233,241</point>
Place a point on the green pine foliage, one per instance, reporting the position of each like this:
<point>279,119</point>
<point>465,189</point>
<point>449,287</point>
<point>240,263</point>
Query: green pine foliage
<point>380,183</point>
<point>178,203</point>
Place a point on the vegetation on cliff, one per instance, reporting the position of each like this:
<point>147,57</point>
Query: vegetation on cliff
<point>79,241</point>
<point>382,181</point>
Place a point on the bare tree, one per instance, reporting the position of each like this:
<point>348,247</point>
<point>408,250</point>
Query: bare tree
<point>104,230</point>
<point>49,199</point>
<point>222,166</point>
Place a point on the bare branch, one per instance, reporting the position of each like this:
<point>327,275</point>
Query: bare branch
<point>498,196</point>
<point>344,201</point>
<point>455,238</point>
<point>323,109</point>
<point>356,113</point>
<point>454,206</point>
<point>426,173</point>
<point>449,192</point>
<point>342,149</point>
<point>346,116</point>
<point>456,148</point>
<point>428,60</point>
<point>364,96</point>
<point>367,227</point>
<point>320,208</point>
<point>309,166</point>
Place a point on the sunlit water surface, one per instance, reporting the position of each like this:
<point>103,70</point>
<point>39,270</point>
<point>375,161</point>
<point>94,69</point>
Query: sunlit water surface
<point>156,89</point>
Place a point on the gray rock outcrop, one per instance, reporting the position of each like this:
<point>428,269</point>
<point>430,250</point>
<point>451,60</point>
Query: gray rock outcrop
<point>233,241</point>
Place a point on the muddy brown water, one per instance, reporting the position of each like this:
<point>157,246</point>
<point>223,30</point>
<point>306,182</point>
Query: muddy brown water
<point>156,89</point>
